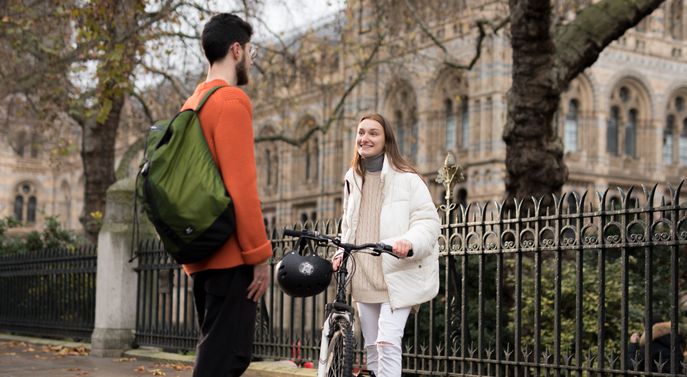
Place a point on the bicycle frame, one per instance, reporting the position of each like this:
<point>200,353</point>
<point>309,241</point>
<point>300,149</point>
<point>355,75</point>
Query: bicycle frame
<point>338,310</point>
<point>335,310</point>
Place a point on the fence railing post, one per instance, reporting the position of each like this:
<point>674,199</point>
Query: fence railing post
<point>116,283</point>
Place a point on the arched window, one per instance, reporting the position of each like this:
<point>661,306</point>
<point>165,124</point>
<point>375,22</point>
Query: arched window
<point>668,139</point>
<point>675,131</point>
<point>308,163</point>
<point>19,208</point>
<point>267,162</point>
<point>31,210</point>
<point>25,203</point>
<point>631,133</point>
<point>676,23</point>
<point>629,103</point>
<point>268,167</point>
<point>401,103</point>
<point>450,117</point>
<point>312,157</point>
<point>451,108</point>
<point>400,130</point>
<point>21,143</point>
<point>612,131</point>
<point>305,160</point>
<point>465,122</point>
<point>571,121</point>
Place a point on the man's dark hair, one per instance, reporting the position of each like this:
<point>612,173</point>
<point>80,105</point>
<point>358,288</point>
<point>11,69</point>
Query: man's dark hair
<point>221,32</point>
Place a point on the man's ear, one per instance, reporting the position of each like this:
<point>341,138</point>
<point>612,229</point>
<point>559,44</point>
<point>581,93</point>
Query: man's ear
<point>236,51</point>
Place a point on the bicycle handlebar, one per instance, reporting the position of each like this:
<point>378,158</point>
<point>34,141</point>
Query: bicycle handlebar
<point>315,236</point>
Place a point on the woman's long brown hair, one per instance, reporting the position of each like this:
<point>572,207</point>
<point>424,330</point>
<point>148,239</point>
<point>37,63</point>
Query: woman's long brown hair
<point>390,149</point>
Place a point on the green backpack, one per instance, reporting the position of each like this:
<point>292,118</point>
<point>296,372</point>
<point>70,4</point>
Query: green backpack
<point>182,190</point>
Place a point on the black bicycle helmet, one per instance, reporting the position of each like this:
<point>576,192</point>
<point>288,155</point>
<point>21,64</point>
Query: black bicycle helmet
<point>303,275</point>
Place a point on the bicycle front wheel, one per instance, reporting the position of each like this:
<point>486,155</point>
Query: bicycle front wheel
<point>340,350</point>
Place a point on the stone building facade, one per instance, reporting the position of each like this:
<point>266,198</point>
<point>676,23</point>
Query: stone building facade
<point>40,176</point>
<point>41,173</point>
<point>623,121</point>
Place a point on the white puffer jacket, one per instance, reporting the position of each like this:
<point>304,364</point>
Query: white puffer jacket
<point>407,213</point>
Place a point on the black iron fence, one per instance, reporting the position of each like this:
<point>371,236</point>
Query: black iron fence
<point>525,290</point>
<point>165,316</point>
<point>49,292</point>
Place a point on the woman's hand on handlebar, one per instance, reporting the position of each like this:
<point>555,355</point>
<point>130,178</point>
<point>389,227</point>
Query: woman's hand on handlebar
<point>336,261</point>
<point>402,247</point>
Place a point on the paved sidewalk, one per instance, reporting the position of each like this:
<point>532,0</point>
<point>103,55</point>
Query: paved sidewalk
<point>35,357</point>
<point>19,358</point>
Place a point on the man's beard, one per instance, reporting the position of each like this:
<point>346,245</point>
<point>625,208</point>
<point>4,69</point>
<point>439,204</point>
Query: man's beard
<point>241,72</point>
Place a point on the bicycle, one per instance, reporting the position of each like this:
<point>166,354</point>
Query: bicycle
<point>336,347</point>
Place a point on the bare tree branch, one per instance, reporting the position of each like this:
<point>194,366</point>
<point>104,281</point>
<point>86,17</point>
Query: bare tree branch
<point>579,43</point>
<point>336,112</point>
<point>172,80</point>
<point>447,55</point>
<point>146,109</point>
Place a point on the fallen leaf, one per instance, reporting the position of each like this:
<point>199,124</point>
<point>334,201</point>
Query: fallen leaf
<point>126,359</point>
<point>73,369</point>
<point>140,369</point>
<point>157,372</point>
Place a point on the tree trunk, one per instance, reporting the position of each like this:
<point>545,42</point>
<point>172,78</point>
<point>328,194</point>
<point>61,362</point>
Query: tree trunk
<point>534,153</point>
<point>98,156</point>
<point>543,66</point>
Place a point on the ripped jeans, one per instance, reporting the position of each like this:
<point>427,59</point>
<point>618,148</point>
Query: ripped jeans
<point>383,331</point>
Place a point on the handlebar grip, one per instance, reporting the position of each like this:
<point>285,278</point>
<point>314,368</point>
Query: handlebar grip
<point>390,249</point>
<point>292,233</point>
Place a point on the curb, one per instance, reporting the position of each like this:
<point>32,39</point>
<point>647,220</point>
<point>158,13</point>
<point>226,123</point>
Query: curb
<point>43,341</point>
<point>256,369</point>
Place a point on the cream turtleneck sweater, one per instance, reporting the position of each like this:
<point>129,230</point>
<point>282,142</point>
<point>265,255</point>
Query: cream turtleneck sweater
<point>368,285</point>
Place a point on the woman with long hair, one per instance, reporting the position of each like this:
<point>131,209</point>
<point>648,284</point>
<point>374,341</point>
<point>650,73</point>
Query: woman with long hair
<point>385,200</point>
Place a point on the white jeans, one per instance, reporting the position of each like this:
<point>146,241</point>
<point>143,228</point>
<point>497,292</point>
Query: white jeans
<point>383,331</point>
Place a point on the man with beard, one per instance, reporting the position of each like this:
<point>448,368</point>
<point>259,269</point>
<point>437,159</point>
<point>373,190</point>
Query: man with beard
<point>228,284</point>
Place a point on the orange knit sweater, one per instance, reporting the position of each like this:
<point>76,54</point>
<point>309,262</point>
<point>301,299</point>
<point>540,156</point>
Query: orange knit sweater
<point>227,121</point>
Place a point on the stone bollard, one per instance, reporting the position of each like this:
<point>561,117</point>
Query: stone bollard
<point>116,281</point>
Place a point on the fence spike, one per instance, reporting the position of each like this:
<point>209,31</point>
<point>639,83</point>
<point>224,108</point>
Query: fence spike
<point>652,195</point>
<point>602,199</point>
<point>676,194</point>
<point>626,200</point>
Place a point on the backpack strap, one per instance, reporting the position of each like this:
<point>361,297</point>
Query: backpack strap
<point>206,96</point>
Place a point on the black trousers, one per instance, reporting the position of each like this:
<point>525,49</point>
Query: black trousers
<point>227,321</point>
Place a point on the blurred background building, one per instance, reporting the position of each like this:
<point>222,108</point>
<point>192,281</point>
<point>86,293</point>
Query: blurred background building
<point>623,121</point>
